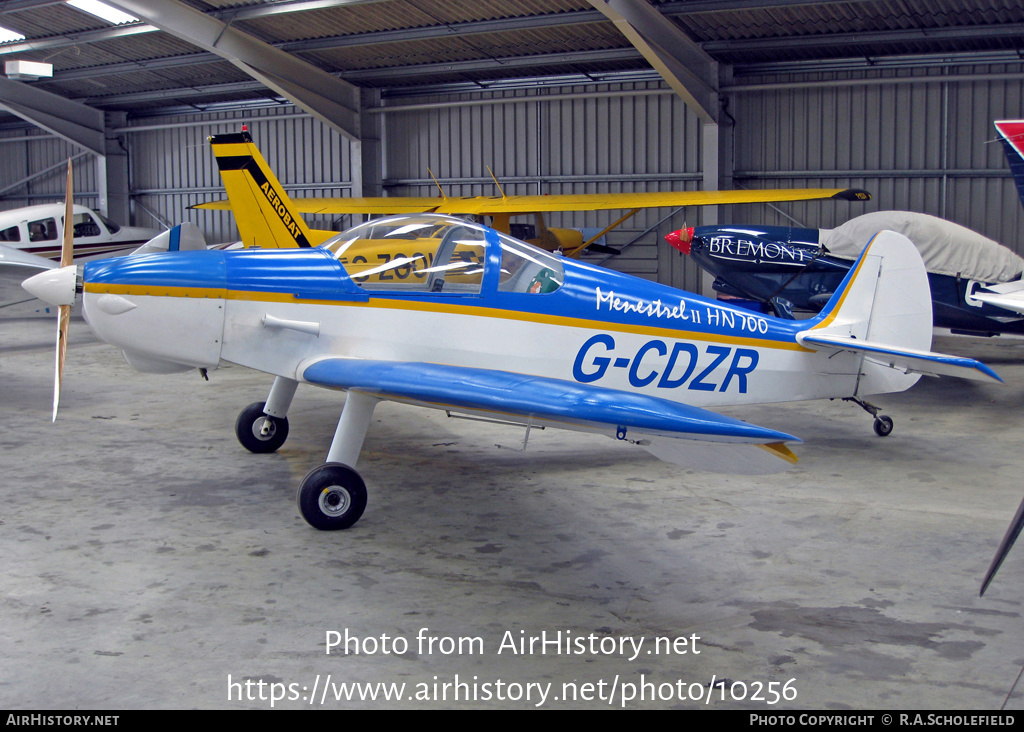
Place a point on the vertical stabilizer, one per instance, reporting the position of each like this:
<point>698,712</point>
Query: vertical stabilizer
<point>883,303</point>
<point>263,212</point>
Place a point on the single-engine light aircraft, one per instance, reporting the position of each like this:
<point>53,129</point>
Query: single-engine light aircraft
<point>266,216</point>
<point>478,323</point>
<point>975,282</point>
<point>37,230</point>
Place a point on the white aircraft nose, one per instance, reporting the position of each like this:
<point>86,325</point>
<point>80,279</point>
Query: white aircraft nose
<point>54,286</point>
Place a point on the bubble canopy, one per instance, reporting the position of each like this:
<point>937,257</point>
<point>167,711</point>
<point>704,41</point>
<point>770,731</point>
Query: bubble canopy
<point>441,254</point>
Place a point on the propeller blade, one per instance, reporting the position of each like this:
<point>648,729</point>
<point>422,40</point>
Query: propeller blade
<point>1004,547</point>
<point>64,311</point>
<point>63,320</point>
<point>68,245</point>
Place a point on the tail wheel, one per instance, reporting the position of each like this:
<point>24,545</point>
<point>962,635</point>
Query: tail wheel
<point>883,425</point>
<point>331,497</point>
<point>258,431</point>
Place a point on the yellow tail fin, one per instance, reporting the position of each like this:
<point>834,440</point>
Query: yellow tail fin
<point>263,212</point>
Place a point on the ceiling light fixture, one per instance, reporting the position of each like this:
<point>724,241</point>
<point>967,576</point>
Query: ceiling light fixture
<point>27,70</point>
<point>6,35</point>
<point>104,11</point>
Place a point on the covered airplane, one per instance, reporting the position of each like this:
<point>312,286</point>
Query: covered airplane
<point>478,323</point>
<point>786,268</point>
<point>267,217</point>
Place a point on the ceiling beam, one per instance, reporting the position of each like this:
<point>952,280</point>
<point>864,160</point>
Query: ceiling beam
<point>329,99</point>
<point>384,75</point>
<point>957,34</point>
<point>691,73</point>
<point>75,122</point>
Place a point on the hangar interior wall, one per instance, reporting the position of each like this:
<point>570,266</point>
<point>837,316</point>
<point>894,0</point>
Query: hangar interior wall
<point>923,146</point>
<point>928,147</point>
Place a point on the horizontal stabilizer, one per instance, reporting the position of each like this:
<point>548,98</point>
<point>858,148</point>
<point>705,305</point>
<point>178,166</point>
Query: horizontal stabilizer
<point>1009,295</point>
<point>647,420</point>
<point>910,360</point>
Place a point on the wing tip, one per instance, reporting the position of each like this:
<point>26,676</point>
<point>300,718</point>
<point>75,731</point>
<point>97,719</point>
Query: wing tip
<point>782,451</point>
<point>852,194</point>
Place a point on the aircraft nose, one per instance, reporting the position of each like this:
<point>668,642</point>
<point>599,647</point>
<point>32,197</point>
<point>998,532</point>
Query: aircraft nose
<point>681,239</point>
<point>164,311</point>
<point>54,286</point>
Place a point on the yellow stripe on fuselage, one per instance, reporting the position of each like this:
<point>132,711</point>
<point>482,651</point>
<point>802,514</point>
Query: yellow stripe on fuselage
<point>436,307</point>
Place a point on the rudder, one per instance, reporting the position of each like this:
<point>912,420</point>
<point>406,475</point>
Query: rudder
<point>263,212</point>
<point>884,301</point>
<point>1011,133</point>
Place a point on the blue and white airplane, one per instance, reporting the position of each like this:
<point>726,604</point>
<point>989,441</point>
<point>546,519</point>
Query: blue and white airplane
<point>473,321</point>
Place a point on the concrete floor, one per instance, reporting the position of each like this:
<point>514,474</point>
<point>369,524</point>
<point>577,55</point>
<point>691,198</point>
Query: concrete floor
<point>149,561</point>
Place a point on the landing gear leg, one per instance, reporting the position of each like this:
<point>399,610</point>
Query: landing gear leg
<point>263,426</point>
<point>883,424</point>
<point>333,496</point>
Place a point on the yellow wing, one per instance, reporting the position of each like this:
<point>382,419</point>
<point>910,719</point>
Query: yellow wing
<point>347,205</point>
<point>267,217</point>
<point>490,205</point>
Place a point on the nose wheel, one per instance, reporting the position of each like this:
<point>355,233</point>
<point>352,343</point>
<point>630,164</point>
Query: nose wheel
<point>331,497</point>
<point>258,431</point>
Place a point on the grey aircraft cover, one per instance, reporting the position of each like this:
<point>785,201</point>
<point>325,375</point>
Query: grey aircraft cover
<point>945,247</point>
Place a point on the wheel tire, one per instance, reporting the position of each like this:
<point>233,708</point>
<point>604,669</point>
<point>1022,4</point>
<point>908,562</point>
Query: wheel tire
<point>250,423</point>
<point>331,497</point>
<point>883,426</point>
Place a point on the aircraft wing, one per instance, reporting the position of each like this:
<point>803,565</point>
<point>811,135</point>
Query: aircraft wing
<point>653,423</point>
<point>490,205</point>
<point>15,258</point>
<point>907,359</point>
<point>1009,295</point>
<point>394,205</point>
<point>1004,547</point>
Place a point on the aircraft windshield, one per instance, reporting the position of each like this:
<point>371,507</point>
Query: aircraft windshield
<point>423,253</point>
<point>527,269</point>
<point>413,253</point>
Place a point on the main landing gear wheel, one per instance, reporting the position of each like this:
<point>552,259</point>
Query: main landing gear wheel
<point>258,431</point>
<point>331,497</point>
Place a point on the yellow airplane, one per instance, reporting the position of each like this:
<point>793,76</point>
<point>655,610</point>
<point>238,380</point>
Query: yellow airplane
<point>267,217</point>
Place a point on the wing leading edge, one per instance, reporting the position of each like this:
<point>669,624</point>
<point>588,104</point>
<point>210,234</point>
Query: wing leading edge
<point>489,205</point>
<point>658,425</point>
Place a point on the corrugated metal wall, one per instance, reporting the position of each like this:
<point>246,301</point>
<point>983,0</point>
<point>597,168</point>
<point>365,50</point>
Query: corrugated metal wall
<point>173,167</point>
<point>34,169</point>
<point>595,139</point>
<point>923,146</point>
<point>927,147</point>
